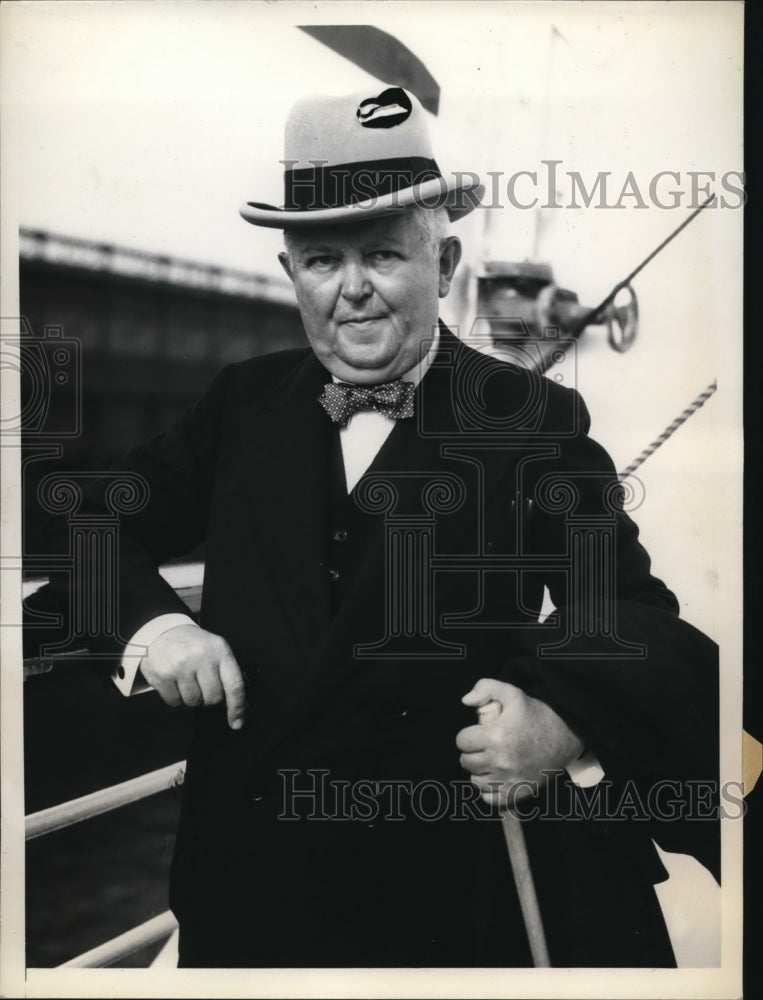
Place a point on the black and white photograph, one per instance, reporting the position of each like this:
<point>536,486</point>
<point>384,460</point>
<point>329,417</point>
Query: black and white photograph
<point>372,466</point>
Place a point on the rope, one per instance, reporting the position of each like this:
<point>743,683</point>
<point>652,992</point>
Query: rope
<point>671,429</point>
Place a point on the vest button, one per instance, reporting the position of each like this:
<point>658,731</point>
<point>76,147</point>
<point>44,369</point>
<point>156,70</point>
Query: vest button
<point>333,575</point>
<point>340,535</point>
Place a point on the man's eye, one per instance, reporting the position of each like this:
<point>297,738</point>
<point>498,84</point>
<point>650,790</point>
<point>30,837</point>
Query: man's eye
<point>321,261</point>
<point>384,255</point>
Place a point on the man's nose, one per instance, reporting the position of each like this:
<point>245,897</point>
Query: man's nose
<point>356,283</point>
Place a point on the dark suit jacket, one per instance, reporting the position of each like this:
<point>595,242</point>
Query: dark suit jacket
<point>492,491</point>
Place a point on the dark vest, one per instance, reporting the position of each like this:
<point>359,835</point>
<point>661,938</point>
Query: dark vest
<point>349,531</point>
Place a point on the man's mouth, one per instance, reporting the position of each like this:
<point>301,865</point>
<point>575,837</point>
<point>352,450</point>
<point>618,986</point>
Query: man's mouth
<point>360,320</point>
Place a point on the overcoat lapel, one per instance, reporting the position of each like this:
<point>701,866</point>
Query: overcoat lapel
<point>286,480</point>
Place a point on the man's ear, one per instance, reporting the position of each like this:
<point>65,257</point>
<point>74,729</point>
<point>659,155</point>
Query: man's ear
<point>450,255</point>
<point>286,263</point>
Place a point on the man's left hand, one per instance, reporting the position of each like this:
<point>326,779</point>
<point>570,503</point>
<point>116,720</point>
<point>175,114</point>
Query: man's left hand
<point>526,739</point>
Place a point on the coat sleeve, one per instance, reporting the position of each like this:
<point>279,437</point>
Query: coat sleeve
<point>615,661</point>
<point>173,474</point>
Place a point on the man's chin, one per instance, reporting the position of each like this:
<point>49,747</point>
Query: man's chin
<point>367,366</point>
<point>368,375</point>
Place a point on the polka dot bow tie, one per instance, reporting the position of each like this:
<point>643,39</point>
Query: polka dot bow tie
<point>342,399</point>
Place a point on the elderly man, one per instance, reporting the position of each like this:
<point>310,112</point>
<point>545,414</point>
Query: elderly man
<point>381,514</point>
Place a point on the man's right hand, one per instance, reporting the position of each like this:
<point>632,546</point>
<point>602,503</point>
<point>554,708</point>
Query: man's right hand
<point>189,666</point>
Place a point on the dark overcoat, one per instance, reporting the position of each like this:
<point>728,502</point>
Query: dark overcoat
<point>337,828</point>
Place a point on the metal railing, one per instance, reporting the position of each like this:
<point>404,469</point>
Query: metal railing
<point>153,930</point>
<point>58,817</point>
<point>185,578</point>
<point>96,803</point>
<point>187,582</point>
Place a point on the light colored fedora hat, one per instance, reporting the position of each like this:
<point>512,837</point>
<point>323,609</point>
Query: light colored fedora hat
<point>357,156</point>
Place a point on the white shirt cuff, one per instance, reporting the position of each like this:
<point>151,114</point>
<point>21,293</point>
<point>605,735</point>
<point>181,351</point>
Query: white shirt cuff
<point>126,674</point>
<point>586,770</point>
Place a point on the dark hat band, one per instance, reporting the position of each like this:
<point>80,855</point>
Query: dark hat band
<point>322,186</point>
